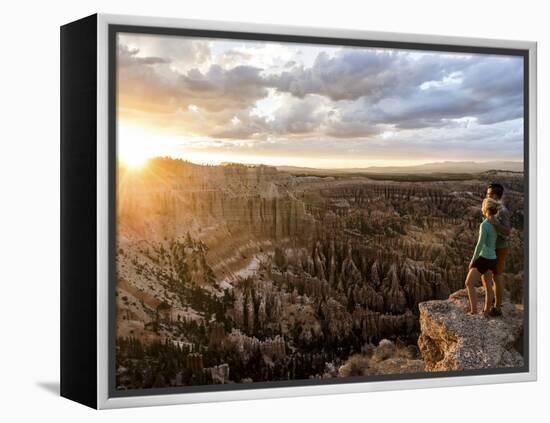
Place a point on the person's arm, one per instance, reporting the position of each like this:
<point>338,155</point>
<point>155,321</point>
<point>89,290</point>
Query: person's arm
<point>504,230</point>
<point>503,226</point>
<point>480,244</point>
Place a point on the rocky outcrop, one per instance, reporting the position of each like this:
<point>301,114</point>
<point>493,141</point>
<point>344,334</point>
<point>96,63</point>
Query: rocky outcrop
<point>387,358</point>
<point>451,339</point>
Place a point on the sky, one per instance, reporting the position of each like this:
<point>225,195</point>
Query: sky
<point>220,100</point>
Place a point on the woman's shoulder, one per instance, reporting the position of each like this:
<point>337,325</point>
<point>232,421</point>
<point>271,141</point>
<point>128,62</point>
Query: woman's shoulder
<point>486,224</point>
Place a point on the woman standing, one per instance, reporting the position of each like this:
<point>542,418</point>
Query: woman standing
<point>484,260</point>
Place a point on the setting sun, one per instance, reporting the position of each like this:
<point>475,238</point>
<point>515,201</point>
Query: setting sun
<point>134,161</point>
<point>135,146</point>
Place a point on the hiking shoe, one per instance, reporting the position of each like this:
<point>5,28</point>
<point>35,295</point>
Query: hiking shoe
<point>495,312</point>
<point>483,314</point>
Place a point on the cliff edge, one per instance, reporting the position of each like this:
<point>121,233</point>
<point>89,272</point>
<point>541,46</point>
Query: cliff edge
<point>451,339</point>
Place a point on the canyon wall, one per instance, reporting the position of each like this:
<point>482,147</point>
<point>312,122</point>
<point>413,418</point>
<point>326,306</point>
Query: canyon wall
<point>244,273</point>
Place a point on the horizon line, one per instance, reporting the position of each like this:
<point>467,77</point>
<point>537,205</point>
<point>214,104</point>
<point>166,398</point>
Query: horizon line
<point>231,162</point>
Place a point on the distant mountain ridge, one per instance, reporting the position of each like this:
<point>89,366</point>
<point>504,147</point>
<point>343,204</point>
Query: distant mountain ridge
<point>435,167</point>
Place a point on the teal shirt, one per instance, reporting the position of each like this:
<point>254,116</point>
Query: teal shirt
<point>486,243</point>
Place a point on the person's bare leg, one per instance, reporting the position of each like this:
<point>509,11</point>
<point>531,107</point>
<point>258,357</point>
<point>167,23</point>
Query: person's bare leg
<point>471,280</point>
<point>484,284</point>
<point>497,280</point>
<point>494,290</point>
<point>487,285</point>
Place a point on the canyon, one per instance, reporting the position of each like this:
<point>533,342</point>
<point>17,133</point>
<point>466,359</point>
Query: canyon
<point>239,273</point>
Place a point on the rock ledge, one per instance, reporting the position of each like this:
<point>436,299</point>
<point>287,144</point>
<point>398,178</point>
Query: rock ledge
<point>451,339</point>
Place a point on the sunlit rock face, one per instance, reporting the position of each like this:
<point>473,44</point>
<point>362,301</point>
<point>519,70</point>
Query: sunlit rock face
<point>172,197</point>
<point>451,339</point>
<point>246,273</point>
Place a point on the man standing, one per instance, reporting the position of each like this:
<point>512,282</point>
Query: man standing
<point>502,224</point>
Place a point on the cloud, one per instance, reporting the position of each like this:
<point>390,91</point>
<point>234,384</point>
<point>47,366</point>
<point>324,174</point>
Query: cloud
<point>196,102</point>
<point>408,90</point>
<point>318,96</point>
<point>181,52</point>
<point>129,57</point>
<point>354,73</point>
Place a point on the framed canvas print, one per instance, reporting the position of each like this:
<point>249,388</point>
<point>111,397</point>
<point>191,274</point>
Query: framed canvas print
<point>254,211</point>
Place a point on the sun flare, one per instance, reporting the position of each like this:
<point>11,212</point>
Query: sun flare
<point>135,160</point>
<point>135,146</point>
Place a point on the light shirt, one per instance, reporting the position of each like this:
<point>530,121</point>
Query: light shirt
<point>486,242</point>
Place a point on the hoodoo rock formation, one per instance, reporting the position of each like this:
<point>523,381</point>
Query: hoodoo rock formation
<point>451,339</point>
<point>240,273</point>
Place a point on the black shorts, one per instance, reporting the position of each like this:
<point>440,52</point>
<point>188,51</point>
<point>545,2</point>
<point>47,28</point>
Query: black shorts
<point>483,264</point>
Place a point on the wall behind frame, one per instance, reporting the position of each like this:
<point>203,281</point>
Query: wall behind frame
<point>30,185</point>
